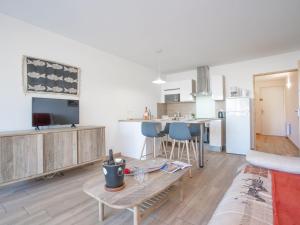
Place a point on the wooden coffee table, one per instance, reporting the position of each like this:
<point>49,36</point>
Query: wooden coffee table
<point>141,199</point>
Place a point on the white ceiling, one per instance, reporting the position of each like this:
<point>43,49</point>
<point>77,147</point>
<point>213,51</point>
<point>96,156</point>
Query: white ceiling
<point>190,32</point>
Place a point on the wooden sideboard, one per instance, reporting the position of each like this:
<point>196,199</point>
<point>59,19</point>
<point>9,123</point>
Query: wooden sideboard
<point>29,154</point>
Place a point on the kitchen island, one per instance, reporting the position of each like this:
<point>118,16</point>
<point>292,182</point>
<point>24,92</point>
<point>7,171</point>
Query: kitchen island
<point>131,139</point>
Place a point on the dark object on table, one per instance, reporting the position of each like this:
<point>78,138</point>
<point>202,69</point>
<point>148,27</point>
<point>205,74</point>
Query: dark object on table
<point>114,174</point>
<point>111,157</point>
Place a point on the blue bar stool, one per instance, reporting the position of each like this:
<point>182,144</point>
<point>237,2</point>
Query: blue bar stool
<point>151,130</point>
<point>195,132</point>
<point>181,133</point>
<point>165,131</point>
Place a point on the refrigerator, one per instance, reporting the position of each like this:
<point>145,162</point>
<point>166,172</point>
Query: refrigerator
<point>238,138</point>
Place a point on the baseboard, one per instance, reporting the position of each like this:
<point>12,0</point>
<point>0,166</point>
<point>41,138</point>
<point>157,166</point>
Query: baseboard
<point>293,143</point>
<point>216,148</point>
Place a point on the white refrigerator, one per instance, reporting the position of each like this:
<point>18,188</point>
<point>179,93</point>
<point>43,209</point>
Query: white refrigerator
<point>238,125</point>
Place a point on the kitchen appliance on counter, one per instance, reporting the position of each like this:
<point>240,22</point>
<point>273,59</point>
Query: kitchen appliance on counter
<point>221,114</point>
<point>234,92</point>
<point>238,92</point>
<point>238,125</point>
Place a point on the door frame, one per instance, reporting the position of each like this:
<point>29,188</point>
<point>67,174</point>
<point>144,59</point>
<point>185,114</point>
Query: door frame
<point>253,116</point>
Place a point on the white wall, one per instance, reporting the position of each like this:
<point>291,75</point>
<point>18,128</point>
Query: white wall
<point>291,105</point>
<point>111,88</point>
<point>241,73</point>
<point>183,75</point>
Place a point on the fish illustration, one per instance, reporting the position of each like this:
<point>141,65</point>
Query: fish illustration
<point>55,66</point>
<point>71,90</point>
<point>54,89</point>
<point>37,87</point>
<point>70,69</point>
<point>36,75</point>
<point>54,77</point>
<point>70,80</point>
<point>36,62</point>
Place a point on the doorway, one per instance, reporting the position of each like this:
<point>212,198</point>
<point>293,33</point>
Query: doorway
<point>272,107</point>
<point>276,113</point>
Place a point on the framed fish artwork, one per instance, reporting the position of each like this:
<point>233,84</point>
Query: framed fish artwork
<point>44,76</point>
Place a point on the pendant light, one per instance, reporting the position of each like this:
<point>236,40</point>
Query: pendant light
<point>158,80</point>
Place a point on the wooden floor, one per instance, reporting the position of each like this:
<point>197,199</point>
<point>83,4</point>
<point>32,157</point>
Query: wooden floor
<point>60,200</point>
<point>276,144</point>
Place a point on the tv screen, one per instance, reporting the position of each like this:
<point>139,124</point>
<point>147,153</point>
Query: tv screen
<point>49,111</point>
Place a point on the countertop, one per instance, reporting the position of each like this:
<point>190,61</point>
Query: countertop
<point>198,120</point>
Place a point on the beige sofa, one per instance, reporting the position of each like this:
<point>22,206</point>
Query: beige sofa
<point>248,201</point>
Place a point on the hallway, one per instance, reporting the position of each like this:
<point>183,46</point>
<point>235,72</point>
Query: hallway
<point>276,144</point>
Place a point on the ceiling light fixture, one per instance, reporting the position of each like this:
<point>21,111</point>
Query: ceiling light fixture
<point>158,80</point>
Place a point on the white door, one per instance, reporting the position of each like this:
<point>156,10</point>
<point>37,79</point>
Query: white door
<point>272,111</point>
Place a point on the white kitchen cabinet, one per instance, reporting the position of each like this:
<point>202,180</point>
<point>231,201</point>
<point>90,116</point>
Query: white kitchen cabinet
<point>183,87</point>
<point>217,87</point>
<point>187,87</point>
<point>217,134</point>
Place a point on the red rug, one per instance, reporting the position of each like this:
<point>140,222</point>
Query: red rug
<point>286,198</point>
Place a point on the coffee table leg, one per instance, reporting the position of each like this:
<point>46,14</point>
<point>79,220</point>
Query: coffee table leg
<point>136,216</point>
<point>101,211</point>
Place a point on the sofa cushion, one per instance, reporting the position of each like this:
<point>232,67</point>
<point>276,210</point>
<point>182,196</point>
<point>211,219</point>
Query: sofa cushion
<point>248,200</point>
<point>287,164</point>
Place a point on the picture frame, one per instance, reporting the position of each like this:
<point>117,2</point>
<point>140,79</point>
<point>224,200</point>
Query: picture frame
<point>44,76</point>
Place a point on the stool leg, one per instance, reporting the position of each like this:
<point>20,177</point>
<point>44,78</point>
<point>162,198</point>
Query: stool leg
<point>179,147</point>
<point>164,147</point>
<point>172,150</point>
<point>142,153</point>
<point>183,147</point>
<point>194,150</point>
<point>188,155</point>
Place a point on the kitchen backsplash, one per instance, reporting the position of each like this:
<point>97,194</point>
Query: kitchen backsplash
<point>204,108</point>
<point>184,108</point>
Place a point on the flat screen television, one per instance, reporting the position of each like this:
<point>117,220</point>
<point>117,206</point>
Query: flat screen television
<point>49,111</point>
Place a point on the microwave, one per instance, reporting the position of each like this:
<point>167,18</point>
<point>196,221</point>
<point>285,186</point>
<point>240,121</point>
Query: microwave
<point>169,98</point>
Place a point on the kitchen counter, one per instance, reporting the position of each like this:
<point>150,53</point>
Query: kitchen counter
<point>171,120</point>
<point>131,139</point>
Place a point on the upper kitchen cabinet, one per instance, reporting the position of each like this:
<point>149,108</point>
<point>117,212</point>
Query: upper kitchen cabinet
<point>217,87</point>
<point>178,91</point>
